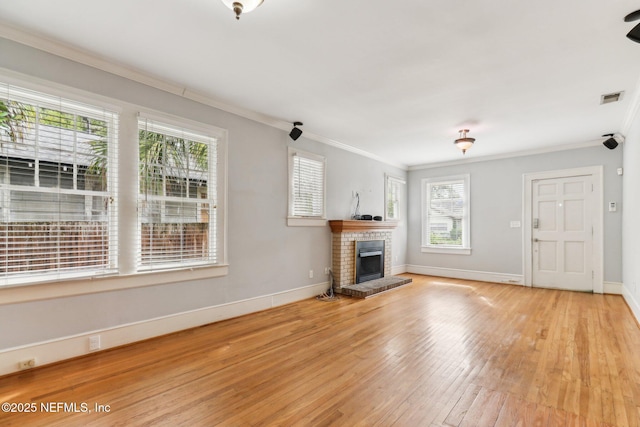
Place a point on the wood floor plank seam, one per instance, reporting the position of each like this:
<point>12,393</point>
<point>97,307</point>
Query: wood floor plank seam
<point>441,352</point>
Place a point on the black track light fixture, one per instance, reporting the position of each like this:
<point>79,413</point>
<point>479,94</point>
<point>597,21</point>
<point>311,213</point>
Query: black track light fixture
<point>295,132</point>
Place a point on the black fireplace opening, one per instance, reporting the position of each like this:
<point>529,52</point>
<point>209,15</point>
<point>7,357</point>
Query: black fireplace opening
<point>369,260</point>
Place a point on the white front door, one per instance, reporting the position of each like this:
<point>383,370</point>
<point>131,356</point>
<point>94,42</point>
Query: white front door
<point>562,233</point>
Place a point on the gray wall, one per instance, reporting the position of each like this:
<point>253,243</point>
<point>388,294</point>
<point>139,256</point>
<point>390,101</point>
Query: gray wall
<point>497,199</point>
<point>265,256</point>
<point>631,213</point>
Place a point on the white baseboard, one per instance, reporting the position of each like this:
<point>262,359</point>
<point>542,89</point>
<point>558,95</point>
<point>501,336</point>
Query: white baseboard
<point>398,269</point>
<point>482,276</point>
<point>613,288</point>
<point>633,304</point>
<point>73,346</point>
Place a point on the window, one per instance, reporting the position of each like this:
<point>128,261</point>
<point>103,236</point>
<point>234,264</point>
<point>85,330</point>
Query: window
<point>57,176</point>
<point>392,197</point>
<point>306,188</point>
<point>177,199</point>
<point>65,214</point>
<point>445,216</point>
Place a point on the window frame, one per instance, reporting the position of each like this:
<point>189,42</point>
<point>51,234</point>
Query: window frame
<point>125,275</point>
<point>391,180</point>
<point>294,220</point>
<point>465,247</point>
<point>218,193</point>
<point>46,98</point>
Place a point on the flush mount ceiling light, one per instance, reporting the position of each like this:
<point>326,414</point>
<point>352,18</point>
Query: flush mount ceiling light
<point>243,6</point>
<point>464,143</point>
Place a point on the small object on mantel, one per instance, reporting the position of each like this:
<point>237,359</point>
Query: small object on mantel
<point>377,218</point>
<point>341,225</point>
<point>366,218</point>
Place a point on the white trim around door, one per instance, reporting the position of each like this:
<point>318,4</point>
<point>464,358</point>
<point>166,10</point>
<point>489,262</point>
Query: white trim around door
<point>596,173</point>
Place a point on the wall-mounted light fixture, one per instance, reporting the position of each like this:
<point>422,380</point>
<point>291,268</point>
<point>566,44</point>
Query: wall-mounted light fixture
<point>295,132</point>
<point>243,6</point>
<point>464,142</point>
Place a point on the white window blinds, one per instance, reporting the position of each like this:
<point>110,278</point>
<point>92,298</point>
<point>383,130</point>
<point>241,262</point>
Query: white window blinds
<point>307,183</point>
<point>446,221</point>
<point>177,198</point>
<point>57,182</point>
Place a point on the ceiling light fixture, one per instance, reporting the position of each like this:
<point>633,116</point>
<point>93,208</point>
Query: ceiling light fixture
<point>464,143</point>
<point>244,6</point>
<point>634,34</point>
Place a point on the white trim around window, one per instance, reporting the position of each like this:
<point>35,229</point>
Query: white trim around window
<point>446,215</point>
<point>392,197</point>
<point>307,189</point>
<point>122,198</point>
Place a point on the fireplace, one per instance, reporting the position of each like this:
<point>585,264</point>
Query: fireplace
<point>345,235</point>
<point>365,246</point>
<point>369,260</point>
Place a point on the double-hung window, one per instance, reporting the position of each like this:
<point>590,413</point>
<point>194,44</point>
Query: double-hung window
<point>306,188</point>
<point>393,187</point>
<point>445,215</point>
<point>177,199</point>
<point>65,215</point>
<point>57,177</point>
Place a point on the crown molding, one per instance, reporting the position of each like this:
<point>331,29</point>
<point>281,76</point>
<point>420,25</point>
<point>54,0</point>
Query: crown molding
<point>90,59</point>
<point>632,111</point>
<point>591,143</point>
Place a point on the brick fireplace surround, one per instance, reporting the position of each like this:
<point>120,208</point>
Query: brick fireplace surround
<point>344,237</point>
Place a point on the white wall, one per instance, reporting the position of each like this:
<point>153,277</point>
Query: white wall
<point>266,258</point>
<point>497,199</point>
<point>631,213</point>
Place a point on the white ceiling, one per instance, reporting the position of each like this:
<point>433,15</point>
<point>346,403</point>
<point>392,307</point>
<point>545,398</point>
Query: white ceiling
<point>394,79</point>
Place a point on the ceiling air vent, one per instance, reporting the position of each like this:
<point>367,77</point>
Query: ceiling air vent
<point>611,97</point>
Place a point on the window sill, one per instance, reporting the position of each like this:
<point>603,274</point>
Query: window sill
<point>450,251</point>
<point>306,222</point>
<point>64,287</point>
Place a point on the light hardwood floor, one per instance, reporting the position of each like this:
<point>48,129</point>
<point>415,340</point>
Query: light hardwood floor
<point>437,352</point>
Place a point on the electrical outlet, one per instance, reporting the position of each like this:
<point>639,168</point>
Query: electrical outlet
<point>326,270</point>
<point>27,364</point>
<point>310,274</point>
<point>94,343</point>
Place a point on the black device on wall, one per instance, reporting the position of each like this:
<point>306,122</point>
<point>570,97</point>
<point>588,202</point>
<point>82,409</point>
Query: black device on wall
<point>295,132</point>
<point>610,142</point>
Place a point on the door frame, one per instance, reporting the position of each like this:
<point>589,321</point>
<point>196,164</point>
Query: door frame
<point>596,173</point>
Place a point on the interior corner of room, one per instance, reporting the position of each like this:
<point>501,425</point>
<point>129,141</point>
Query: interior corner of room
<point>280,178</point>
